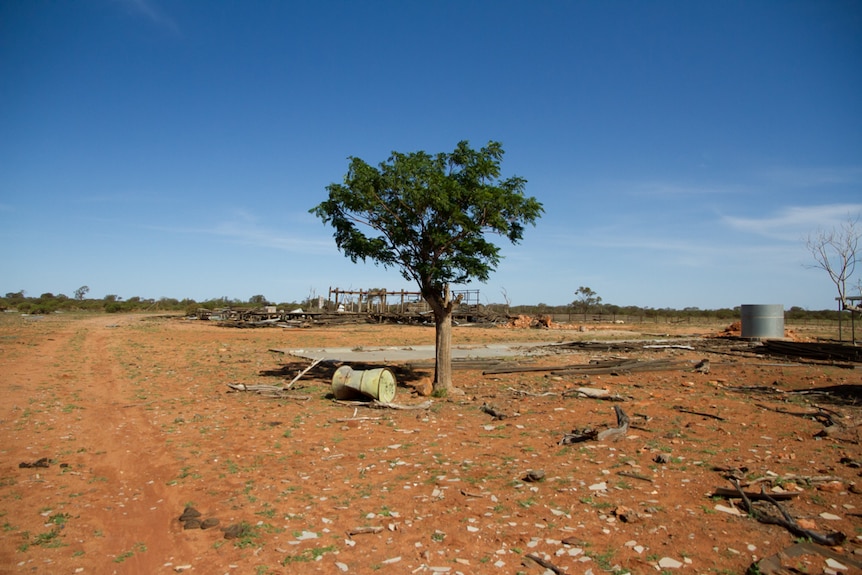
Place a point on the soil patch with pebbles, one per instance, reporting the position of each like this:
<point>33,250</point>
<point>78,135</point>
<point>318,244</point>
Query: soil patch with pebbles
<point>168,469</point>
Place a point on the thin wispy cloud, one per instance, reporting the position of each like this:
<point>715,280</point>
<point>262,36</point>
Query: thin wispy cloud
<point>243,228</point>
<point>119,198</point>
<point>814,177</point>
<point>658,189</point>
<point>264,238</point>
<point>792,222</point>
<point>149,10</point>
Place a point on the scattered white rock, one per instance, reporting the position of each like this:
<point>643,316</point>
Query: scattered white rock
<point>669,563</point>
<point>836,565</point>
<point>391,561</point>
<point>729,510</point>
<point>603,486</point>
<point>829,516</point>
<point>341,566</point>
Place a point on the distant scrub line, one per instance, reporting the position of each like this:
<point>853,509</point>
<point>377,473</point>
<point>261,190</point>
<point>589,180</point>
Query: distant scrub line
<point>50,303</point>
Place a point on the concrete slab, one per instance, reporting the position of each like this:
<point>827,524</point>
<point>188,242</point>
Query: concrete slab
<point>417,352</point>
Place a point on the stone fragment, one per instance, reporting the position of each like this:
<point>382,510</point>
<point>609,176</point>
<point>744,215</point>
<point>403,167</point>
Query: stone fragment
<point>806,524</point>
<point>424,387</point>
<point>832,563</point>
<point>831,487</point>
<point>209,522</point>
<point>235,531</point>
<point>669,563</point>
<point>191,524</point>
<point>189,513</point>
<point>534,475</point>
<point>729,510</point>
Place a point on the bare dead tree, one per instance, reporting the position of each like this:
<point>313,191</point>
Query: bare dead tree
<point>836,252</point>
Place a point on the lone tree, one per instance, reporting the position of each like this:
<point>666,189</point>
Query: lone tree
<point>430,216</point>
<point>586,298</point>
<point>258,300</point>
<point>836,252</point>
<point>81,292</point>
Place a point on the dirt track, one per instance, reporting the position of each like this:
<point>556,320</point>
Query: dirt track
<point>135,418</point>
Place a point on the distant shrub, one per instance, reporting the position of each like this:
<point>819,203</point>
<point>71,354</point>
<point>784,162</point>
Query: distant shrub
<point>113,307</point>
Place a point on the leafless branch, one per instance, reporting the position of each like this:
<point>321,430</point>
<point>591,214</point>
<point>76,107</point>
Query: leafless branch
<point>836,252</point>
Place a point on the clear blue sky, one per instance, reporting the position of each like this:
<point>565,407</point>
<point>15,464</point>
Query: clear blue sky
<point>682,149</point>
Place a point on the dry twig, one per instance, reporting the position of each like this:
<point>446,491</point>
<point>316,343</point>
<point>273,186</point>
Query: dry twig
<point>364,530</point>
<point>546,564</point>
<point>682,409</point>
<point>303,372</point>
<point>786,520</point>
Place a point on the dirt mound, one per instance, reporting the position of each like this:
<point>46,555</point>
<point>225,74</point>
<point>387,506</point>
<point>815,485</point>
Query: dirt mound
<point>530,321</point>
<point>733,330</point>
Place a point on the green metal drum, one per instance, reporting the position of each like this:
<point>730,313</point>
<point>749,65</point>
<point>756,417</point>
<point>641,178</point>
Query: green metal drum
<point>379,384</point>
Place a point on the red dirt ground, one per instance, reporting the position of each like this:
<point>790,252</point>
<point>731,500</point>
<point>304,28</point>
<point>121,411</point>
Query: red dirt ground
<point>136,420</point>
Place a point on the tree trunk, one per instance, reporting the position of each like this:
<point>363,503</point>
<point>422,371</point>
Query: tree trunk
<point>443,355</point>
<point>441,304</point>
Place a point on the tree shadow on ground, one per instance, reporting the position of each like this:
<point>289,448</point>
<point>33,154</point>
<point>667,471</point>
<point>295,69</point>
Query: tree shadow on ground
<point>323,371</point>
<point>849,395</point>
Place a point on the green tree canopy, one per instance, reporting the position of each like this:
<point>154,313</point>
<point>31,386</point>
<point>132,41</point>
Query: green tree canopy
<point>586,298</point>
<point>258,300</point>
<point>430,216</point>
<point>81,292</point>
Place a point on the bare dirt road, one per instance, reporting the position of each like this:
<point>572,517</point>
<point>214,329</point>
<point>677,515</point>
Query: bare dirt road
<point>122,422</point>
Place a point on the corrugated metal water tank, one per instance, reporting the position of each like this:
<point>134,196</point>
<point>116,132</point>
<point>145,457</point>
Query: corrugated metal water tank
<point>762,321</point>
